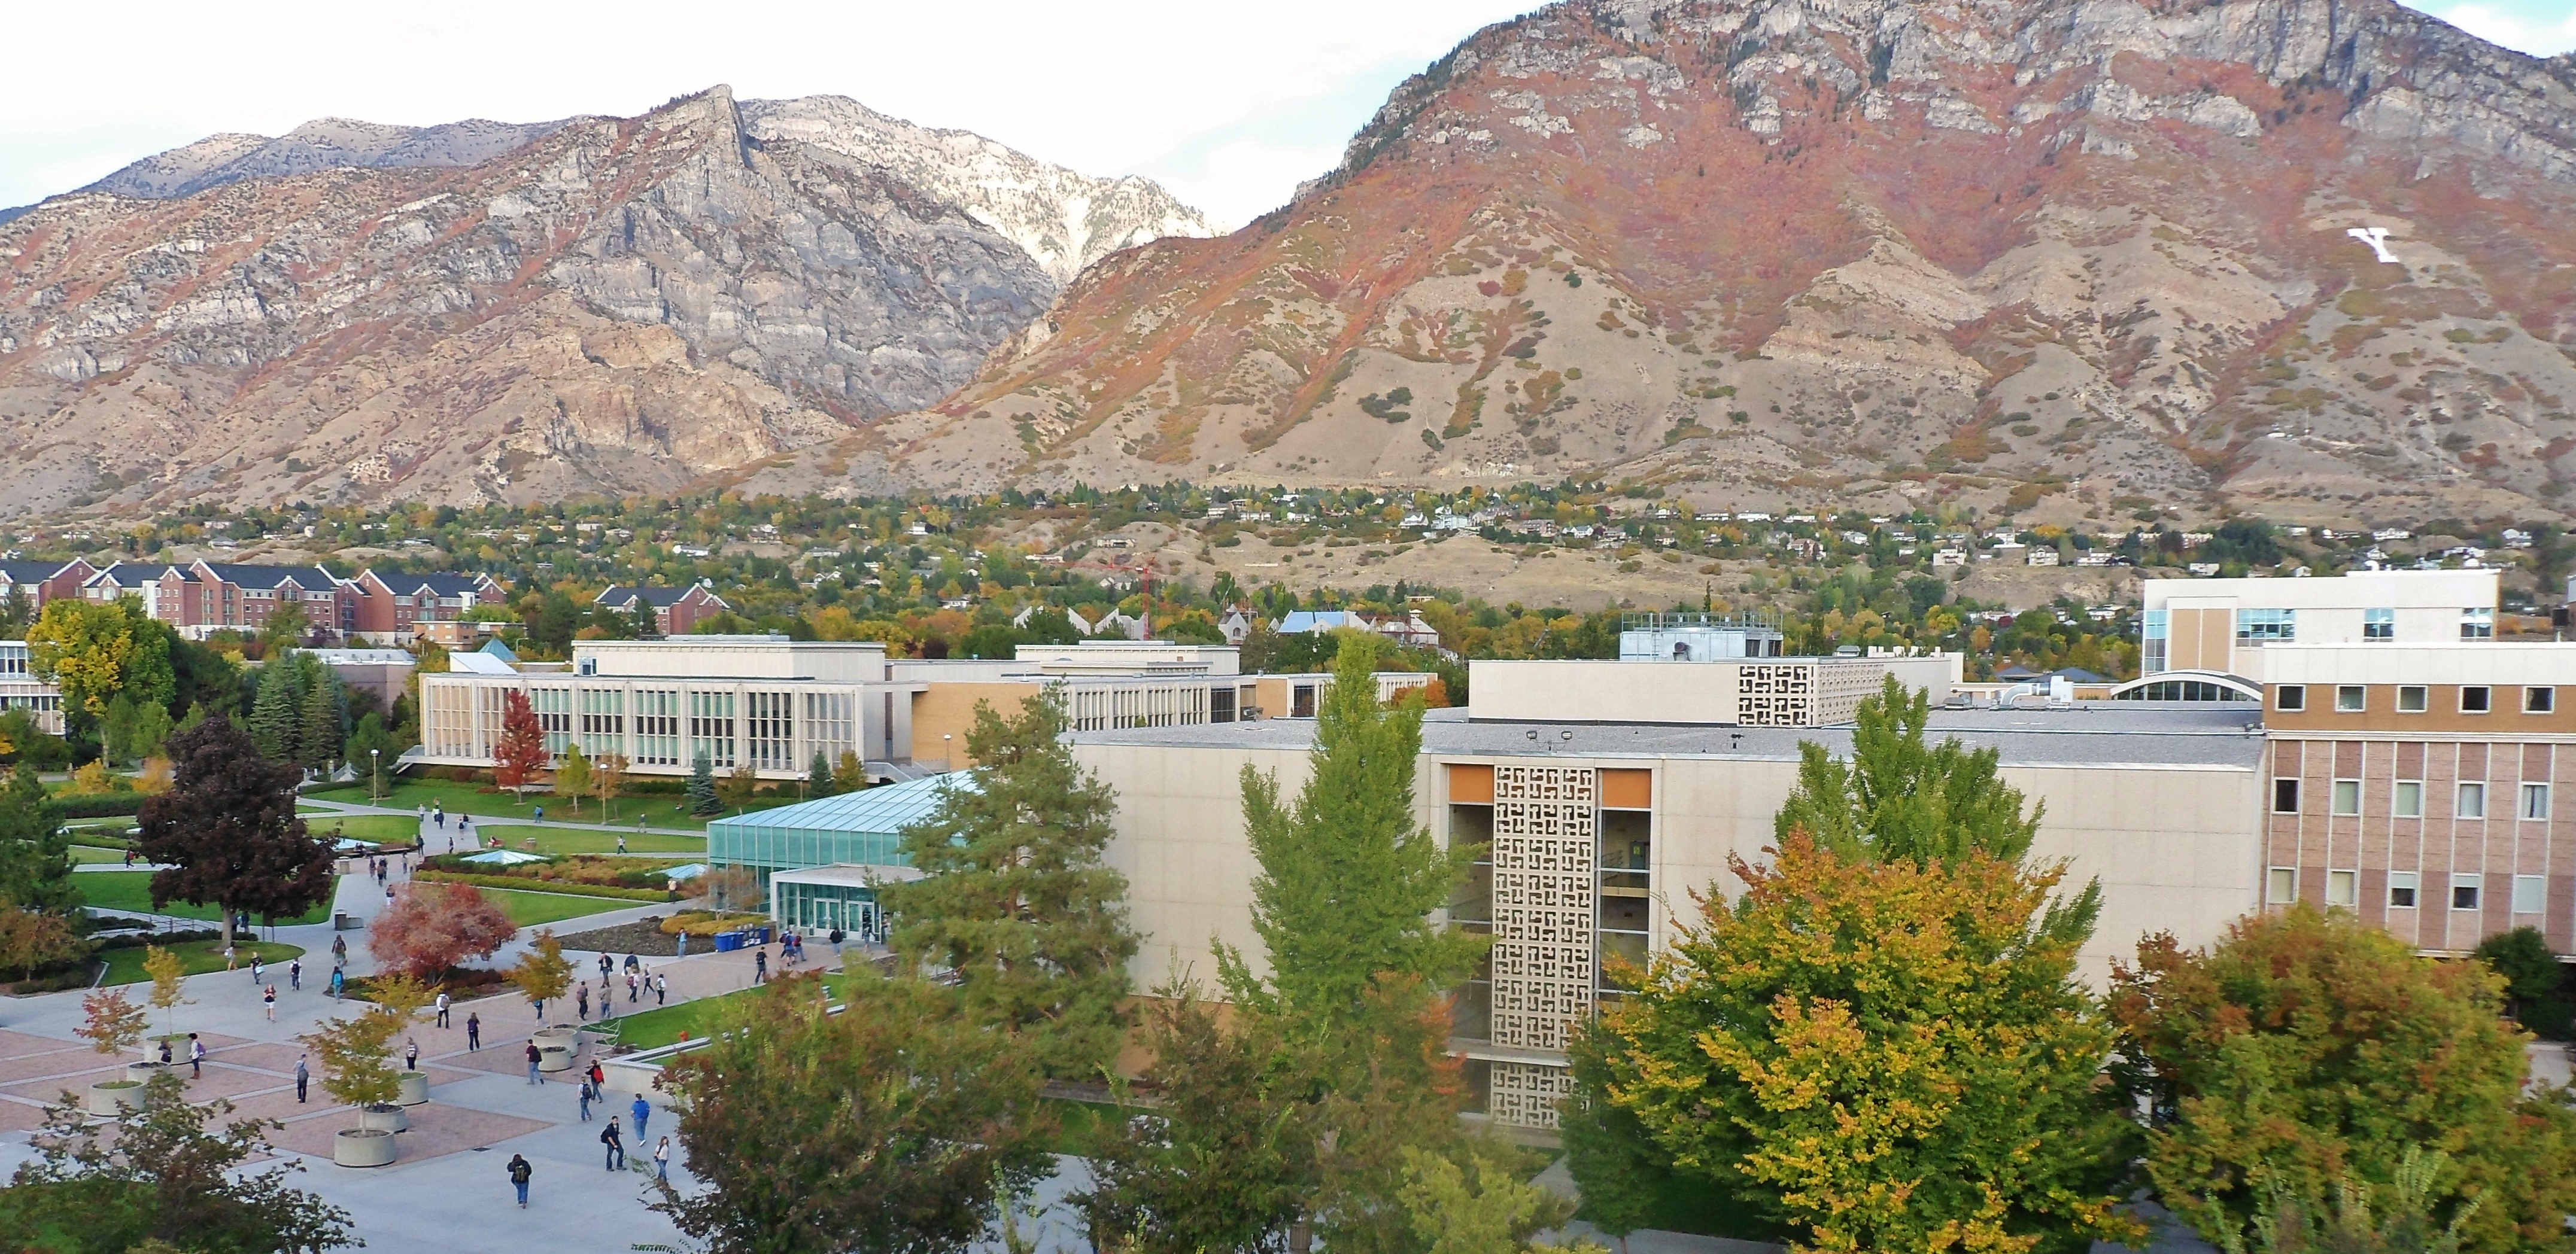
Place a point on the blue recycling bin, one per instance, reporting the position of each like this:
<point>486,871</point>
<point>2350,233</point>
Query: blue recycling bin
<point>727,942</point>
<point>759,934</point>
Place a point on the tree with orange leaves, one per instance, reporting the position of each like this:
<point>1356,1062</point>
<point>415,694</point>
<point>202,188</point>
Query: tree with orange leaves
<point>433,926</point>
<point>522,751</point>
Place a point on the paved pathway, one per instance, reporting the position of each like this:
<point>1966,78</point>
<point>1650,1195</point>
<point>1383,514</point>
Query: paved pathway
<point>449,1190</point>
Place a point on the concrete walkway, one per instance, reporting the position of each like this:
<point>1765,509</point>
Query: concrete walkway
<point>432,833</point>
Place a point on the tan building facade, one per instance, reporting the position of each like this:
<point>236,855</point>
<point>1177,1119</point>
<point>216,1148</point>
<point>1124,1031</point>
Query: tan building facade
<point>2224,625</point>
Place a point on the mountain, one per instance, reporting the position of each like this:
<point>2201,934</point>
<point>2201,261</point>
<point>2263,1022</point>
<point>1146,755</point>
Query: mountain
<point>2082,257</point>
<point>478,312</point>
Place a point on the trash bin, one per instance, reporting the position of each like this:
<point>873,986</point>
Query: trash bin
<point>759,934</point>
<point>343,923</point>
<point>727,942</point>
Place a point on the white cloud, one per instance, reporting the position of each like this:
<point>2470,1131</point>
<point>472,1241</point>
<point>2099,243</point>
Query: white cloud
<point>1153,87</point>
<point>2543,28</point>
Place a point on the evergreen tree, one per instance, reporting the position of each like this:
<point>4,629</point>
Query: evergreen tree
<point>276,714</point>
<point>150,731</point>
<point>852,774</point>
<point>702,787</point>
<point>116,731</point>
<point>1014,898</point>
<point>818,777</point>
<point>1902,797</point>
<point>319,732</point>
<point>35,852</point>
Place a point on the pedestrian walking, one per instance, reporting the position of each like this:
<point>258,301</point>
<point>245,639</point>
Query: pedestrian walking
<point>389,896</point>
<point>633,989</point>
<point>541,1012</point>
<point>255,981</point>
<point>196,1057</point>
<point>270,997</point>
<point>661,990</point>
<point>616,1144</point>
<point>643,1111</point>
<point>760,966</point>
<point>442,1007</point>
<point>605,967</point>
<point>598,1078</point>
<point>230,960</point>
<point>340,947</point>
<point>587,1093</point>
<point>295,975</point>
<point>473,1031</point>
<point>411,1054</point>
<point>520,1172</point>
<point>541,814</point>
<point>339,979</point>
<point>662,1160</point>
<point>303,1077</point>
<point>533,1056</point>
<point>621,842</point>
<point>581,1001</point>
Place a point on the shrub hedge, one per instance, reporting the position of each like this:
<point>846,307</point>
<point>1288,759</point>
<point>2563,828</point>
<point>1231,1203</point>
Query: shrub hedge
<point>526,884</point>
<point>103,805</point>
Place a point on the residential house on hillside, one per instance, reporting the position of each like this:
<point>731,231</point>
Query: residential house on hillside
<point>676,611</point>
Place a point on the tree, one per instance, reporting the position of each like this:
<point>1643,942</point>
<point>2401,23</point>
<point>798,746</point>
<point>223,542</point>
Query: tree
<point>2535,981</point>
<point>727,888</point>
<point>521,752</point>
<point>278,720</point>
<point>35,852</point>
<point>372,747</point>
<point>1479,1207</point>
<point>149,733</point>
<point>35,938</point>
<point>702,787</point>
<point>818,776</point>
<point>543,974</point>
<point>432,927</point>
<point>169,991</point>
<point>2308,1046</point>
<point>356,1056</point>
<point>1014,898</point>
<point>319,730</point>
<point>110,1022</point>
<point>163,1177</point>
<point>897,1127</point>
<point>1891,1054</point>
<point>1348,879</point>
<point>285,625</point>
<point>1901,797</point>
<point>227,831</point>
<point>607,777</point>
<point>116,730</point>
<point>849,774</point>
<point>572,776</point>
<point>1614,1161</point>
<point>94,650</point>
<point>738,785</point>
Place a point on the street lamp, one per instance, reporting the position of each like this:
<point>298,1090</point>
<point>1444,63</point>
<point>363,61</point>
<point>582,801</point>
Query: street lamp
<point>375,775</point>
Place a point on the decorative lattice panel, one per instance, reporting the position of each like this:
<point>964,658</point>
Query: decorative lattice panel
<point>1527,1095</point>
<point>1776,695</point>
<point>1546,880</point>
<point>1840,686</point>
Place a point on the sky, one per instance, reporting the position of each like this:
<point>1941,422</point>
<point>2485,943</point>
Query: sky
<point>1228,104</point>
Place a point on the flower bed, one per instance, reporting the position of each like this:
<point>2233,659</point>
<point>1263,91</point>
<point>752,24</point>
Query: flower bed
<point>709,922</point>
<point>523,883</point>
<point>588,869</point>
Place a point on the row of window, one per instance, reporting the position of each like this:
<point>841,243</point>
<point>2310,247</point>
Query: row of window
<point>2343,888</point>
<point>2406,799</point>
<point>2257,627</point>
<point>2417,698</point>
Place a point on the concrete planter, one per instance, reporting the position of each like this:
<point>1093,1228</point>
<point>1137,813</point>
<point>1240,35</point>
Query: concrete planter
<point>109,1099</point>
<point>415,1088</point>
<point>387,1119</point>
<point>556,1047</point>
<point>362,1147</point>
<point>140,1072</point>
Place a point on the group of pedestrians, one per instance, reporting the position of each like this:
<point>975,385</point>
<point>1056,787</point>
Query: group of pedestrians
<point>612,1138</point>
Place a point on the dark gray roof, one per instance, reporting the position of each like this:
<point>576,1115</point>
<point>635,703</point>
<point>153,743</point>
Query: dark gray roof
<point>309,578</point>
<point>2094,734</point>
<point>441,584</point>
<point>30,572</point>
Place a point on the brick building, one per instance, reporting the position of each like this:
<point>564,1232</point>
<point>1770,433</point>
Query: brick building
<point>392,608</point>
<point>677,611</point>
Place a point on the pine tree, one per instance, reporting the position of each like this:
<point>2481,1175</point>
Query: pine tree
<point>276,714</point>
<point>116,730</point>
<point>818,777</point>
<point>319,733</point>
<point>1015,899</point>
<point>851,775</point>
<point>35,853</point>
<point>702,787</point>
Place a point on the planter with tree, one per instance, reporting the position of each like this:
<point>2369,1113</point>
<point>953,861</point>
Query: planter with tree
<point>112,1025</point>
<point>403,997</point>
<point>168,993</point>
<point>357,1068</point>
<point>543,975</point>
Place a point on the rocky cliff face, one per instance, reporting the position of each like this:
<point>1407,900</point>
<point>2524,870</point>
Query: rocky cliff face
<point>613,305</point>
<point>2096,255</point>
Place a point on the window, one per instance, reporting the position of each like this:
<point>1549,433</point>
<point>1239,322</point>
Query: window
<point>2412,698</point>
<point>2530,894</point>
<point>2473,802</point>
<point>2351,698</point>
<point>2347,797</point>
<point>2538,700</point>
<point>2285,796</point>
<point>770,719</point>
<point>2151,640</point>
<point>2476,698</point>
<point>2535,801</point>
<point>2464,892</point>
<point>2379,624</point>
<point>2343,888</point>
<point>2290,697</point>
<point>2401,890</point>
<point>2408,800</point>
<point>1221,704</point>
<point>657,728</point>
<point>2283,887</point>
<point>2477,624</point>
<point>1301,701</point>
<point>2267,626</point>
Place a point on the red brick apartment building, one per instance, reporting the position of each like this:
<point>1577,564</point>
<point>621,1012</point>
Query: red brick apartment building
<point>38,582</point>
<point>2431,788</point>
<point>393,609</point>
<point>676,610</point>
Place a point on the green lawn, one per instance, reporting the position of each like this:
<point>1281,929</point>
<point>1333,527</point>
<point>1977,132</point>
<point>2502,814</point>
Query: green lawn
<point>131,891</point>
<point>531,909</point>
<point>662,1025</point>
<point>92,853</point>
<point>659,811</point>
<point>380,829</point>
<point>554,840</point>
<point>125,966</point>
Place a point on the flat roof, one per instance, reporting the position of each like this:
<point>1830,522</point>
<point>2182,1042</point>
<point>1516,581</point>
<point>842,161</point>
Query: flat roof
<point>2092,734</point>
<point>884,809</point>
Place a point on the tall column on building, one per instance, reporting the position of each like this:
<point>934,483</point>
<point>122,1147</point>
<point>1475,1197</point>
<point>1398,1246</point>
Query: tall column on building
<point>1546,877</point>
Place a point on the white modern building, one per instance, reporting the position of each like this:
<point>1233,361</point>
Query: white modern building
<point>2221,626</point>
<point>21,690</point>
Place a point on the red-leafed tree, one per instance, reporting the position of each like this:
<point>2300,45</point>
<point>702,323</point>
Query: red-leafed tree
<point>226,831</point>
<point>522,751</point>
<point>432,927</point>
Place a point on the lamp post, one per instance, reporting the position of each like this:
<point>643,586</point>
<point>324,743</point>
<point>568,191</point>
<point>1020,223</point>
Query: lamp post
<point>375,775</point>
